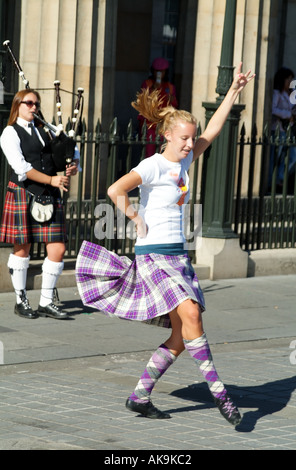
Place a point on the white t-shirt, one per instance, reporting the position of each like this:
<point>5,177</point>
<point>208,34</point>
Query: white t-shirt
<point>164,189</point>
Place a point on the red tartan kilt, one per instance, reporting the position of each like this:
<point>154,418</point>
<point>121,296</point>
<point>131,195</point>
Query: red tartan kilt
<point>17,225</point>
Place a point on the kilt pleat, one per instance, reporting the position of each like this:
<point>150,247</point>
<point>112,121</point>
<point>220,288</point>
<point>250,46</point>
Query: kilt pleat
<point>17,225</point>
<point>145,289</point>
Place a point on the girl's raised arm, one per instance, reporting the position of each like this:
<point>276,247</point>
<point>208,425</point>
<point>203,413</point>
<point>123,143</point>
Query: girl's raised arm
<point>218,120</point>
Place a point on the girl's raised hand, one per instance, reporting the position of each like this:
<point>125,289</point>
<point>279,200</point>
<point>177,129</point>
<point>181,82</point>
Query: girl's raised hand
<point>241,79</point>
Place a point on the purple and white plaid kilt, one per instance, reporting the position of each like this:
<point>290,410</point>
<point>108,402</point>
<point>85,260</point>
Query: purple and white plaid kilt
<point>145,289</point>
<point>17,225</point>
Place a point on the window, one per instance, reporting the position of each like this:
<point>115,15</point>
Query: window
<point>170,31</point>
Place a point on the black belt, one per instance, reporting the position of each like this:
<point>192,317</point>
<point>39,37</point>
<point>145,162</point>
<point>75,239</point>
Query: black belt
<point>57,199</point>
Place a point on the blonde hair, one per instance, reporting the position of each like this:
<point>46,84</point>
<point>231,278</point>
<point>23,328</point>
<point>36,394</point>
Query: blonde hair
<point>150,106</point>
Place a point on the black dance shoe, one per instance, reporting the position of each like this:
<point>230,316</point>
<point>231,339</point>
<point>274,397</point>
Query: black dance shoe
<point>228,410</point>
<point>52,311</point>
<point>24,310</point>
<point>146,409</point>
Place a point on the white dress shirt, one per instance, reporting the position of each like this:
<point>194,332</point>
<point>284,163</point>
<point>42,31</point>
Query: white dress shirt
<point>282,108</point>
<point>11,146</point>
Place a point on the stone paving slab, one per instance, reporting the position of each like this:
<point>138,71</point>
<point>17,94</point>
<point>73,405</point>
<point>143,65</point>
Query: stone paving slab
<point>63,385</point>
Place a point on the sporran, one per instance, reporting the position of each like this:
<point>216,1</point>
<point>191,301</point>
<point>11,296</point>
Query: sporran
<point>42,207</point>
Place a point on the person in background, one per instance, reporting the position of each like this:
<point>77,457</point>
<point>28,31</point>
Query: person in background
<point>158,80</point>
<point>33,172</point>
<point>283,115</point>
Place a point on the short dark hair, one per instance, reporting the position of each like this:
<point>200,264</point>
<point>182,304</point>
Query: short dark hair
<point>279,79</point>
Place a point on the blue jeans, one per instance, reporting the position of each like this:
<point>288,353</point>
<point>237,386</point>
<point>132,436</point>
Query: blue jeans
<point>281,165</point>
<point>281,152</point>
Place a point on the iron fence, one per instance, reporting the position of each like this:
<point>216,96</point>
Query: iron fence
<point>264,215</point>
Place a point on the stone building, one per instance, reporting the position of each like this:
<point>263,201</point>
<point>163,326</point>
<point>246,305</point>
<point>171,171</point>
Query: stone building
<point>107,46</point>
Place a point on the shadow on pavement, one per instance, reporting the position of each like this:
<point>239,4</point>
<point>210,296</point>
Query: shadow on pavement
<point>266,399</point>
<point>75,307</point>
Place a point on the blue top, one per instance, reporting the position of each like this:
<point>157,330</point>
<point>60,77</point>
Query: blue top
<point>173,249</point>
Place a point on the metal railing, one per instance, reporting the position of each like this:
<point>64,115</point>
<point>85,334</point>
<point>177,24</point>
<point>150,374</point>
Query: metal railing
<point>264,217</point>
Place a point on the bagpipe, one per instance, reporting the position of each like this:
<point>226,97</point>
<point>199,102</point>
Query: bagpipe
<point>61,144</point>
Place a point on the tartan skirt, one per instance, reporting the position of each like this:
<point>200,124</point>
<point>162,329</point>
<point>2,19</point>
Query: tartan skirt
<point>145,289</point>
<point>17,225</point>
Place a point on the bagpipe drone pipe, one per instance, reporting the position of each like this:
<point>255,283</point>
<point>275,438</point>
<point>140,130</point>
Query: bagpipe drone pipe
<point>61,144</point>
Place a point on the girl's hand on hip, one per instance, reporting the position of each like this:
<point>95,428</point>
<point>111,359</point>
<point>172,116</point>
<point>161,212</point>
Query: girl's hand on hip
<point>141,227</point>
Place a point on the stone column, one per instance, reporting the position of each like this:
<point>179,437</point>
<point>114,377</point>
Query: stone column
<point>220,245</point>
<point>73,42</point>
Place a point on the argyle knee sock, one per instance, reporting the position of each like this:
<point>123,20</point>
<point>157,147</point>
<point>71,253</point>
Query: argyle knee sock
<point>159,362</point>
<point>50,274</point>
<point>199,349</point>
<point>18,268</point>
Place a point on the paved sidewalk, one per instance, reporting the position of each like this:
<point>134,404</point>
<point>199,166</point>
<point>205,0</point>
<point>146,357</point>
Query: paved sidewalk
<point>63,384</point>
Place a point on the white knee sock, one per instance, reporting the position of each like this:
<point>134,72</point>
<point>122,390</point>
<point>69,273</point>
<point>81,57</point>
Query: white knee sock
<point>18,268</point>
<point>50,274</point>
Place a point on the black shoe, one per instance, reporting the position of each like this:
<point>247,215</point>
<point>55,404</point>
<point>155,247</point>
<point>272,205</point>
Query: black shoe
<point>52,311</point>
<point>24,310</point>
<point>146,409</point>
<point>228,410</point>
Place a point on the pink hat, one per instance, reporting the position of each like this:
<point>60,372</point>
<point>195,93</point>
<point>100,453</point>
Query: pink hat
<point>160,64</point>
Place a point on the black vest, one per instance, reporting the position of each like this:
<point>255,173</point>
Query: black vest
<point>40,158</point>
